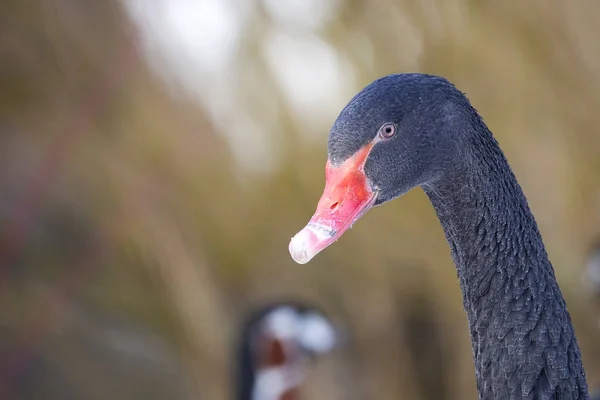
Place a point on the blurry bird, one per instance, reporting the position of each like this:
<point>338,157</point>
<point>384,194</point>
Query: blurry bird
<point>278,343</point>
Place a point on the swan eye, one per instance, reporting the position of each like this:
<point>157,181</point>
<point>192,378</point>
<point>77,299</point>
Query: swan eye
<point>387,131</point>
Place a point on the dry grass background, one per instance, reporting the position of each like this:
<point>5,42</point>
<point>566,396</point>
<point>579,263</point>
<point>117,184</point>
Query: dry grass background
<point>123,208</point>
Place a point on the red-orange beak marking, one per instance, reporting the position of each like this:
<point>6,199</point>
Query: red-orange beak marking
<point>347,196</point>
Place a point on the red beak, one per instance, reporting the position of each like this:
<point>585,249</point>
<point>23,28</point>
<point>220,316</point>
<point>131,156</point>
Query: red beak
<point>347,196</point>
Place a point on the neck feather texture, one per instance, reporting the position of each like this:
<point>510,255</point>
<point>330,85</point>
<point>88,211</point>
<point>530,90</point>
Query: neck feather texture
<point>524,345</point>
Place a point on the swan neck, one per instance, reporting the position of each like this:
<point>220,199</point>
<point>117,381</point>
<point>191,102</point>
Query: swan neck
<point>517,314</point>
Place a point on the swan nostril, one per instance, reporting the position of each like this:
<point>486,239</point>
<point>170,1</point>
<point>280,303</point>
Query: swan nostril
<point>334,205</point>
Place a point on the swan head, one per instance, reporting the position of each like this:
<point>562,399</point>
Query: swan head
<point>399,132</point>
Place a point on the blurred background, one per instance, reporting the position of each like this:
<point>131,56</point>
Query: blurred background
<point>157,156</point>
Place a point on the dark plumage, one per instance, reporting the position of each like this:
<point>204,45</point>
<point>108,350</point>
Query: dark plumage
<point>524,345</point>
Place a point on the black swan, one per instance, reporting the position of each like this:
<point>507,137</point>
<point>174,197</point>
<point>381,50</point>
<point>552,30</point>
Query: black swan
<point>408,130</point>
<point>277,344</point>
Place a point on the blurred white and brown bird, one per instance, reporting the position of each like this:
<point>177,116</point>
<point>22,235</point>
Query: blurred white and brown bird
<point>278,344</point>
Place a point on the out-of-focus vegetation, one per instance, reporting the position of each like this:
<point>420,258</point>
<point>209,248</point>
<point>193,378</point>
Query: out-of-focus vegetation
<point>141,217</point>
